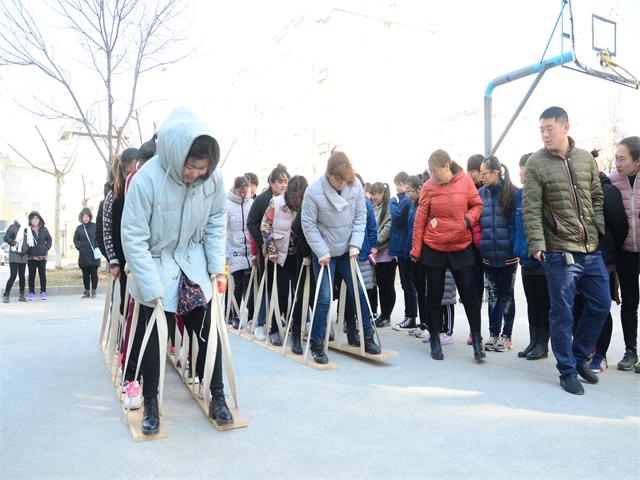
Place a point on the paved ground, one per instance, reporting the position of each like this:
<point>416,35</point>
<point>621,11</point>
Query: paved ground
<point>412,418</point>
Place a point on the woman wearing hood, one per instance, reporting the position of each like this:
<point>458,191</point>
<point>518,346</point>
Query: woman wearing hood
<point>37,255</point>
<point>19,240</point>
<point>239,203</point>
<point>173,237</point>
<point>334,218</point>
<point>84,239</point>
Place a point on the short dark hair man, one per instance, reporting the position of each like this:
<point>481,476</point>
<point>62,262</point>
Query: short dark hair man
<point>562,211</point>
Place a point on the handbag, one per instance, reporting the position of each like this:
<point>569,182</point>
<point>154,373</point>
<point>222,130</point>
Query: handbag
<point>97,254</point>
<point>190,296</point>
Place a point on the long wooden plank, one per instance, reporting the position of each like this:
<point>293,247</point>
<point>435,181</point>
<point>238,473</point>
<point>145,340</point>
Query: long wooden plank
<point>384,356</point>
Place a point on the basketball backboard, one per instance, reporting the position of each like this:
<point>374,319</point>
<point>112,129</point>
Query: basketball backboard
<point>604,38</point>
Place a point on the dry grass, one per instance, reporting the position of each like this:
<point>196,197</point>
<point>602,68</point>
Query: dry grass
<point>70,277</point>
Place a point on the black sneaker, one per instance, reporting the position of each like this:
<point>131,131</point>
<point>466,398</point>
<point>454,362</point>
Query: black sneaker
<point>585,372</point>
<point>382,322</point>
<point>629,360</point>
<point>406,324</point>
<point>317,351</point>
<point>571,384</point>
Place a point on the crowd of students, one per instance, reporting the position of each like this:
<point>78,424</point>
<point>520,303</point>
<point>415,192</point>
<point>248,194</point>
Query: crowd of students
<point>168,223</point>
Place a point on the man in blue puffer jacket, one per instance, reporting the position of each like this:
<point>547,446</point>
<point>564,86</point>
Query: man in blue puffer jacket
<point>400,234</point>
<point>533,281</point>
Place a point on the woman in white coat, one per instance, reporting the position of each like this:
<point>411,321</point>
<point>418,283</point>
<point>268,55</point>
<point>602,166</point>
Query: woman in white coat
<point>173,236</point>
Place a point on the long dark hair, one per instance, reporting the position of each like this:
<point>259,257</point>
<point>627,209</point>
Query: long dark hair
<point>508,195</point>
<point>295,192</point>
<point>382,188</point>
<point>441,158</point>
<point>120,163</point>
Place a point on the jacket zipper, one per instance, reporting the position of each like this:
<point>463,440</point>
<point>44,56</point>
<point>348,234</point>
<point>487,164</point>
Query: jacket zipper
<point>574,187</point>
<point>493,223</point>
<point>244,234</point>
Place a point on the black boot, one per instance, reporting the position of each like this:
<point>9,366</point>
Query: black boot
<point>85,294</point>
<point>5,298</point>
<point>533,340</point>
<point>317,351</point>
<point>541,350</point>
<point>352,333</point>
<point>93,293</point>
<point>218,410</point>
<point>296,345</point>
<point>436,348</point>
<point>151,416</point>
<point>476,342</point>
<point>22,297</point>
<point>370,345</point>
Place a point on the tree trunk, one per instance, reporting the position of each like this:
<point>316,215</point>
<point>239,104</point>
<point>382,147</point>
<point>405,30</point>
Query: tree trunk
<point>57,243</point>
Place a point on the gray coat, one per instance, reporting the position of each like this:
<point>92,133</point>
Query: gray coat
<point>331,221</point>
<point>384,226</point>
<point>11,237</point>
<point>450,292</point>
<point>169,227</point>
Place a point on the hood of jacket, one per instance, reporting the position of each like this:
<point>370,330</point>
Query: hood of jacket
<point>83,212</point>
<point>175,138</point>
<point>35,213</point>
<point>232,197</point>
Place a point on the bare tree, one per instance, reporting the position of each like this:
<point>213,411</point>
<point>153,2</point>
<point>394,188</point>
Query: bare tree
<point>59,174</point>
<point>117,42</point>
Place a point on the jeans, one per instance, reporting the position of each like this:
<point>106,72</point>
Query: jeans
<point>501,301</point>
<point>588,276</point>
<point>408,287</point>
<point>342,265</point>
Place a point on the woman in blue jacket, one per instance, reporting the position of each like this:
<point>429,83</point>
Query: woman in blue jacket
<point>496,249</point>
<point>173,236</point>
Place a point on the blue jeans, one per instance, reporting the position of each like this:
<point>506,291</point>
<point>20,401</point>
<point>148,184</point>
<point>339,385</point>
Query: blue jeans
<point>588,276</point>
<point>501,302</point>
<point>325,295</point>
<point>408,287</point>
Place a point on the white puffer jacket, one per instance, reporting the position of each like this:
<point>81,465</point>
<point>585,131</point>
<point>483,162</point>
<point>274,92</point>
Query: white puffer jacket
<point>238,246</point>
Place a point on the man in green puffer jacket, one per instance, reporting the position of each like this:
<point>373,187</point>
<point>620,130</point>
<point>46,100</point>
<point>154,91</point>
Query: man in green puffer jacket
<point>562,206</point>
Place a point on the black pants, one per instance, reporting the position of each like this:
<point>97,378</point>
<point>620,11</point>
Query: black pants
<point>537,295</point>
<point>41,266</point>
<point>372,294</point>
<point>91,273</point>
<point>465,281</point>
<point>386,279</point>
<point>286,282</point>
<point>197,322</point>
<point>15,270</point>
<point>241,285</point>
<point>630,296</point>
<point>296,321</point>
<point>135,338</point>
<point>418,274</point>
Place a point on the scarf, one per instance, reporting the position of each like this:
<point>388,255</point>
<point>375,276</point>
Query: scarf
<point>20,235</point>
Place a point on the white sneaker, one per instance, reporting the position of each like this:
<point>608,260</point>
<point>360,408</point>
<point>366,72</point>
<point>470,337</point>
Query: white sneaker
<point>406,324</point>
<point>189,379</point>
<point>420,333</point>
<point>259,334</point>
<point>133,398</point>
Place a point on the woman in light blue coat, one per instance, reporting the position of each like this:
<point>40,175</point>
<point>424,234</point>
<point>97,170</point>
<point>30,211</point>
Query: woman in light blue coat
<point>173,236</point>
<point>334,218</point>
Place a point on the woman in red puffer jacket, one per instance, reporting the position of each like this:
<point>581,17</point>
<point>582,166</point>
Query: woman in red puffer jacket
<point>448,208</point>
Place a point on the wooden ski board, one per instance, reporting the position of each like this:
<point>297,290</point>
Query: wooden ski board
<point>300,358</point>
<point>384,356</point>
<point>238,420</point>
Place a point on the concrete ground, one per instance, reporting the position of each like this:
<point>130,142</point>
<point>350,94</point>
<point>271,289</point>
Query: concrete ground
<point>410,418</point>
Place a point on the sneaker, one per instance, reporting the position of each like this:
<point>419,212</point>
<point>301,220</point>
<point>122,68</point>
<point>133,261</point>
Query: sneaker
<point>422,333</point>
<point>5,298</point>
<point>275,339</point>
<point>383,322</point>
<point>507,342</point>
<point>259,334</point>
<point>571,384</point>
<point>490,346</point>
<point>598,364</point>
<point>172,350</point>
<point>133,400</point>
<point>31,296</point>
<point>21,298</point>
<point>500,346</point>
<point>629,360</point>
<point>445,339</point>
<point>407,323</point>
<point>43,295</point>
<point>413,331</point>
<point>469,340</point>
<point>189,379</point>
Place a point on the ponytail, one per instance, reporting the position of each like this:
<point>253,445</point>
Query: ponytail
<point>508,194</point>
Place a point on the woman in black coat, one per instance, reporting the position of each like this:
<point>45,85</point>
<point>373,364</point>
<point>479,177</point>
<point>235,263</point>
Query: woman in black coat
<point>85,240</point>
